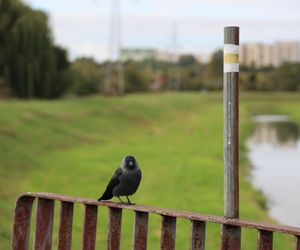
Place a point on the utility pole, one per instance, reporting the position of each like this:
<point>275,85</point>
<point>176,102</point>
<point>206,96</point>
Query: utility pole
<point>231,234</point>
<point>114,78</point>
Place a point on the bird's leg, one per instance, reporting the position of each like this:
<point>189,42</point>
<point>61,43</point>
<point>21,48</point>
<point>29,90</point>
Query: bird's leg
<point>120,199</point>
<point>129,201</point>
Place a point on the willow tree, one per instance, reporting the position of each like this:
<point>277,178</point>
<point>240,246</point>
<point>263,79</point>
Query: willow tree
<point>10,11</point>
<point>30,64</point>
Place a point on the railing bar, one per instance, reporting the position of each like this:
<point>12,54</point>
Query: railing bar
<point>44,224</point>
<point>65,226</point>
<point>264,240</point>
<point>168,233</point>
<point>140,231</point>
<point>230,237</point>
<point>21,227</point>
<point>297,243</point>
<point>90,227</point>
<point>114,228</point>
<point>197,235</point>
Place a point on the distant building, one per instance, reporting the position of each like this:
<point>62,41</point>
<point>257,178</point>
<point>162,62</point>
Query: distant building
<point>137,54</point>
<point>286,52</point>
<point>263,55</point>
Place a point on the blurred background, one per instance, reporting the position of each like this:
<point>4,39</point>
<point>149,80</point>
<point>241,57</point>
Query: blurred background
<point>83,83</point>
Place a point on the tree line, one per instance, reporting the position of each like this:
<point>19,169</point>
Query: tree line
<point>187,74</point>
<point>89,77</point>
<point>32,66</point>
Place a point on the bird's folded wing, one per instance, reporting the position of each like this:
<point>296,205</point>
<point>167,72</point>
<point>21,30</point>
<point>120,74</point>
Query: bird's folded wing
<point>114,181</point>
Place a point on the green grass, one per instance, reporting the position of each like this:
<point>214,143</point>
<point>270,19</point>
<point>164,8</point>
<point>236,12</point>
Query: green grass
<point>73,146</point>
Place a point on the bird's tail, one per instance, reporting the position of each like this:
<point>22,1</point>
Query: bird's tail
<point>107,195</point>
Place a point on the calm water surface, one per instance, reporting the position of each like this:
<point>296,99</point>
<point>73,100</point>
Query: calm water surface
<point>274,151</point>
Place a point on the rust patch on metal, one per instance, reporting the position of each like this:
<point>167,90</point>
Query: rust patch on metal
<point>231,237</point>
<point>264,240</point>
<point>44,224</point>
<point>297,243</point>
<point>114,228</point>
<point>197,235</point>
<point>21,226</point>
<point>65,226</point>
<point>90,227</point>
<point>140,231</point>
<point>168,233</point>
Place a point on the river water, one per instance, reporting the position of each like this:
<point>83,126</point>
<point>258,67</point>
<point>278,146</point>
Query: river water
<point>274,151</point>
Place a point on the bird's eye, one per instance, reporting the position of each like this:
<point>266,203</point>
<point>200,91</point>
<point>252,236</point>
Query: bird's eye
<point>129,158</point>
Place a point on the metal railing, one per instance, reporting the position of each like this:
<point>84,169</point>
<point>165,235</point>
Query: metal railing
<point>230,235</point>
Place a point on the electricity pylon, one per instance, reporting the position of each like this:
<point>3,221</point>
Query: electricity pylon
<point>114,79</point>
<point>175,81</point>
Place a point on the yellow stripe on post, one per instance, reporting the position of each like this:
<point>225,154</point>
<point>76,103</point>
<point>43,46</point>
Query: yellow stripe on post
<point>231,58</point>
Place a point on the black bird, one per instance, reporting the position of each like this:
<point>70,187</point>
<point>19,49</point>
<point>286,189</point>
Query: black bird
<point>125,180</point>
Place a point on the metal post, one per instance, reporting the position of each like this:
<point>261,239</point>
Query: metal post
<point>231,122</point>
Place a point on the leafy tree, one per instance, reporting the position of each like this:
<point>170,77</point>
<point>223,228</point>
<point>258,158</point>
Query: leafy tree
<point>248,81</point>
<point>136,79</point>
<point>9,12</point>
<point>62,78</point>
<point>213,74</point>
<point>187,60</point>
<point>30,62</point>
<point>86,76</point>
<point>287,77</point>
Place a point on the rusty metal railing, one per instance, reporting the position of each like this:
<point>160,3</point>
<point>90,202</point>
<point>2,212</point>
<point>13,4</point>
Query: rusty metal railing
<point>230,236</point>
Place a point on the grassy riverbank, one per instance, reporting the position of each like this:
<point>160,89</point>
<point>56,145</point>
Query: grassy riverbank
<point>73,146</point>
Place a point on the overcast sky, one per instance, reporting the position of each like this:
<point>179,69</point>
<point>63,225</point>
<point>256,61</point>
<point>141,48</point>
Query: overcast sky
<point>82,25</point>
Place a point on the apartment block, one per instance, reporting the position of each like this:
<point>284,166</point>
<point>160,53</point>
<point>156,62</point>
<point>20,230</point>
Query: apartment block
<point>264,55</point>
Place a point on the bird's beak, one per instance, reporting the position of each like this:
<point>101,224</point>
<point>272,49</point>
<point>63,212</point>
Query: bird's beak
<point>130,163</point>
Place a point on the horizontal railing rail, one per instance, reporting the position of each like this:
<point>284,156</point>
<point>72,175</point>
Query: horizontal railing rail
<point>230,238</point>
